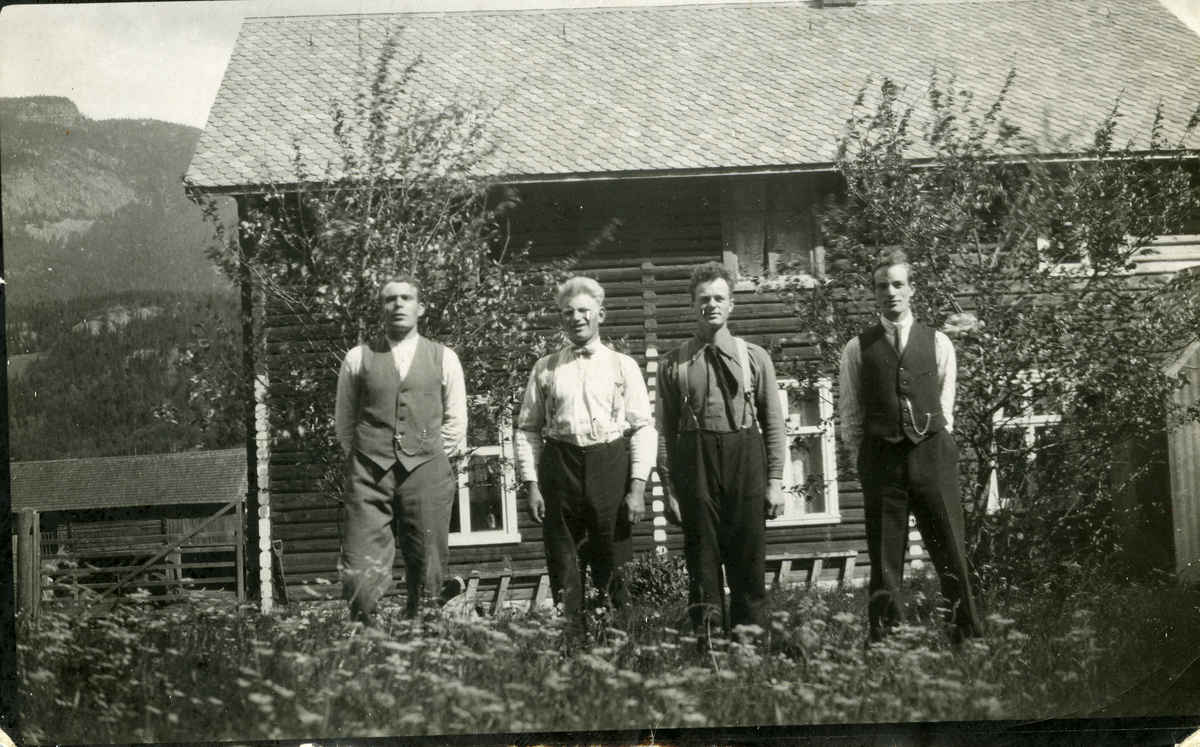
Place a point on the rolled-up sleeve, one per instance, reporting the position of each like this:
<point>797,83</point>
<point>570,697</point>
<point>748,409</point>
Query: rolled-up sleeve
<point>850,397</point>
<point>947,367</point>
<point>528,440</point>
<point>667,417</point>
<point>454,405</point>
<point>643,441</point>
<point>770,412</point>
<point>345,411</point>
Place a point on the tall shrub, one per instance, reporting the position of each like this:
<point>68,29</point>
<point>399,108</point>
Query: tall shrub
<point>1025,261</point>
<point>409,196</point>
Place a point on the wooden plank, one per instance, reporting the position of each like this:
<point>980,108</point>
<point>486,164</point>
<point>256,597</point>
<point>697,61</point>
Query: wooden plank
<point>472,586</point>
<point>29,578</point>
<point>785,568</point>
<point>543,589</point>
<point>502,592</point>
<point>847,576</point>
<point>814,575</point>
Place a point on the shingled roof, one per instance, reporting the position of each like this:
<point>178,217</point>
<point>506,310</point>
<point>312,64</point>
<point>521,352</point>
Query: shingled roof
<point>699,89</point>
<point>146,480</point>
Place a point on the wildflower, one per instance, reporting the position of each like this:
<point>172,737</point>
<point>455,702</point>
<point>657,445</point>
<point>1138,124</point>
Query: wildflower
<point>846,618</point>
<point>692,718</point>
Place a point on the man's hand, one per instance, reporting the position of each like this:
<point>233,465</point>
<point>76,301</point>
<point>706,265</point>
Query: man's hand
<point>671,506</point>
<point>635,500</point>
<point>775,501</point>
<point>537,504</point>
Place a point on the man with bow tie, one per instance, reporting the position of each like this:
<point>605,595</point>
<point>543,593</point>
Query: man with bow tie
<point>721,459</point>
<point>583,481</point>
<point>897,413</point>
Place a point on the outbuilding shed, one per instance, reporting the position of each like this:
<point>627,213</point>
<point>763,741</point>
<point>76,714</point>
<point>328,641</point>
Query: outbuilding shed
<point>99,520</point>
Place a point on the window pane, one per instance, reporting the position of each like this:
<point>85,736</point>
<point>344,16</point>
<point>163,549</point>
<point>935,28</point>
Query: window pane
<point>808,479</point>
<point>803,408</point>
<point>484,479</point>
<point>1012,465</point>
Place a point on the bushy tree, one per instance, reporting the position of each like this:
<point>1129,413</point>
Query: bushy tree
<point>1025,261</point>
<point>408,196</point>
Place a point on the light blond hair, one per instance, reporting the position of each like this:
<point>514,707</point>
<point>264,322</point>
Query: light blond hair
<point>575,286</point>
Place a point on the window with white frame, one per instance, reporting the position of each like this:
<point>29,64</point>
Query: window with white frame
<point>1025,435</point>
<point>810,471</point>
<point>485,506</point>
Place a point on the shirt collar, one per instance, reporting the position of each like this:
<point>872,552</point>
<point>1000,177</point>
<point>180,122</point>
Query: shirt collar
<point>904,324</point>
<point>722,340</point>
<point>592,347</point>
<point>406,343</point>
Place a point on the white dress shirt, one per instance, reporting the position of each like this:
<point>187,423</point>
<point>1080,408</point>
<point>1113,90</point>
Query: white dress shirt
<point>454,395</point>
<point>850,406</point>
<point>588,396</point>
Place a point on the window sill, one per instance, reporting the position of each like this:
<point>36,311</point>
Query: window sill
<point>458,539</point>
<point>809,520</point>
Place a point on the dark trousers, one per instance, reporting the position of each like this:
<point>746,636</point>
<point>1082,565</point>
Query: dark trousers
<point>721,483</point>
<point>419,503</point>
<point>921,479</point>
<point>584,488</point>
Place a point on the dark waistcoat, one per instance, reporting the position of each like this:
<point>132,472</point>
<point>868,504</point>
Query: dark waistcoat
<point>900,393</point>
<point>400,420</point>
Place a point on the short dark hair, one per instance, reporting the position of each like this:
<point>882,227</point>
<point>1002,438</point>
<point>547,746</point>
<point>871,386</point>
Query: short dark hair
<point>403,277</point>
<point>706,273</point>
<point>890,259</point>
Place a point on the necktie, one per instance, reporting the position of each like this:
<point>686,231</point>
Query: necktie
<point>724,383</point>
<point>899,349</point>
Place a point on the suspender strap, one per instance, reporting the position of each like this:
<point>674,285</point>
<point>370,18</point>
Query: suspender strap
<point>681,373</point>
<point>749,413</point>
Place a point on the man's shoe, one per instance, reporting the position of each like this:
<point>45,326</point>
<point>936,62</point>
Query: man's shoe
<point>960,633</point>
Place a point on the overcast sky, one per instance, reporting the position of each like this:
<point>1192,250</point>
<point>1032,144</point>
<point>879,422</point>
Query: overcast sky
<point>164,60</point>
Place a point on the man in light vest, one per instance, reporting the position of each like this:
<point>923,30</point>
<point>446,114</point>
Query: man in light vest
<point>401,417</point>
<point>897,413</point>
<point>721,458</point>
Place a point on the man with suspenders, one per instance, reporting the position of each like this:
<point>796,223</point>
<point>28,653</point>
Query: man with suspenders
<point>723,445</point>
<point>583,482</point>
<point>401,416</point>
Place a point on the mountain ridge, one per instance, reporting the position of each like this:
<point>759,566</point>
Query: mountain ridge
<point>97,206</point>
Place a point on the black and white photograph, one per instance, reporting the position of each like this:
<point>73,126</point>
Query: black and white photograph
<point>618,372</point>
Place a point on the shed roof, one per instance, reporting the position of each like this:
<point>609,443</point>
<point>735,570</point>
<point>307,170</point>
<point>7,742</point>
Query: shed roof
<point>705,89</point>
<point>145,480</point>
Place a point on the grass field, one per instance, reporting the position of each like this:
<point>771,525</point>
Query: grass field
<point>137,675</point>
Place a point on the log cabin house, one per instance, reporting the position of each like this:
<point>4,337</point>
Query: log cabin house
<point>710,133</point>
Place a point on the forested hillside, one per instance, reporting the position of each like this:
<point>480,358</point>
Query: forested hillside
<point>122,336</point>
<point>94,207</point>
<point>131,373</point>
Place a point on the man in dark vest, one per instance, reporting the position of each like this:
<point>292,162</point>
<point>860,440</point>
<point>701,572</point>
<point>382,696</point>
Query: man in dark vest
<point>723,446</point>
<point>585,480</point>
<point>401,417</point>
<point>897,413</point>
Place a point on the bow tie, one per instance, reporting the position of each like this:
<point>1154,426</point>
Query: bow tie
<point>585,351</point>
